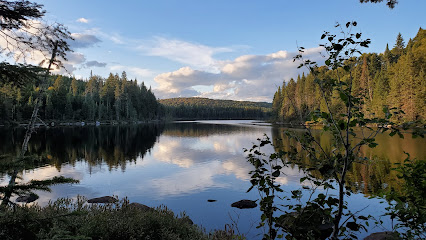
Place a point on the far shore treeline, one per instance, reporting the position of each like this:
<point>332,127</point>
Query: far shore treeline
<point>69,99</point>
<point>205,108</point>
<point>115,98</point>
<point>393,79</point>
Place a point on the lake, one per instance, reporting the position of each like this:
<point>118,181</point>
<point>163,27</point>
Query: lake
<point>184,164</point>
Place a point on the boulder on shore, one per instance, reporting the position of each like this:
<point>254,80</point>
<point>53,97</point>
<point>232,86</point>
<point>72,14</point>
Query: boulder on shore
<point>27,198</point>
<point>319,225</point>
<point>104,199</point>
<point>383,236</point>
<point>140,206</point>
<point>243,204</point>
<point>186,220</point>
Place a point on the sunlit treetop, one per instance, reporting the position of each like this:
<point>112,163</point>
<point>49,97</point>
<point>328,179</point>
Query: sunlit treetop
<point>390,3</point>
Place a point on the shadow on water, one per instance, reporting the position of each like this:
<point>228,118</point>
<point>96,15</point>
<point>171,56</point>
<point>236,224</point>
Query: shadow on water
<point>113,145</point>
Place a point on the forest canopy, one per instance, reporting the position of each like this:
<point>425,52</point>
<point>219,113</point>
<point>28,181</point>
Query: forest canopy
<point>395,78</point>
<point>204,108</point>
<point>67,99</point>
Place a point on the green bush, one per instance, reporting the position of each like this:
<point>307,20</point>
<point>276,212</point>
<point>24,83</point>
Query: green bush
<point>408,206</point>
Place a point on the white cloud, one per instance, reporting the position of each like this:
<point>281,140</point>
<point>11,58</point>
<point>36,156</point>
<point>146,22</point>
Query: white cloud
<point>74,59</point>
<point>115,38</point>
<point>248,77</point>
<point>94,64</point>
<point>83,20</point>
<point>83,40</point>
<point>195,55</point>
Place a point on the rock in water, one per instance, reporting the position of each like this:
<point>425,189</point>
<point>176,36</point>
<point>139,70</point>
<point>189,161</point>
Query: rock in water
<point>211,200</point>
<point>243,204</point>
<point>104,199</point>
<point>27,198</point>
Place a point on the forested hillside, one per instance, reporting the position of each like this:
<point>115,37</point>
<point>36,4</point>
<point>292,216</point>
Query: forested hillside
<point>67,99</point>
<point>395,78</point>
<point>204,108</point>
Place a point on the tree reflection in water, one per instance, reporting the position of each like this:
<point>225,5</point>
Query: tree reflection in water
<point>114,145</point>
<point>372,176</point>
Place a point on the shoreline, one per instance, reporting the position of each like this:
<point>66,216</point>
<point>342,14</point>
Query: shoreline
<point>80,123</point>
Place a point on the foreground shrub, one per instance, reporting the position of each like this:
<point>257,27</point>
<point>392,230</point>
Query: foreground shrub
<point>75,219</point>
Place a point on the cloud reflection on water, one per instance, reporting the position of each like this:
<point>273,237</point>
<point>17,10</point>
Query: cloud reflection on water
<point>177,165</point>
<point>204,162</point>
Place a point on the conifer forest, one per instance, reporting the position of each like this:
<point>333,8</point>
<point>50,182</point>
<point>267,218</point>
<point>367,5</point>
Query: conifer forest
<point>395,79</point>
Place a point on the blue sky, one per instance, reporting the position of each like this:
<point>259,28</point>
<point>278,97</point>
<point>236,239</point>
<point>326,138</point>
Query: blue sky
<point>235,49</point>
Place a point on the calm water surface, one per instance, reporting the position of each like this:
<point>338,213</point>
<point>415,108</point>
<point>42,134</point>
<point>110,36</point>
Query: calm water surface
<point>184,164</point>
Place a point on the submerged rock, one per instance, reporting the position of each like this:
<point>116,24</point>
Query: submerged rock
<point>383,236</point>
<point>27,198</point>
<point>243,204</point>
<point>104,199</point>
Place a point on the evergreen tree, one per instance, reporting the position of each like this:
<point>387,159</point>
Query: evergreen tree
<point>388,58</point>
<point>74,87</point>
<point>399,48</point>
<point>276,104</point>
<point>394,79</point>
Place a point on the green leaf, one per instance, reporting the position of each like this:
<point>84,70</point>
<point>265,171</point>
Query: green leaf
<point>372,145</point>
<point>276,173</point>
<point>352,226</point>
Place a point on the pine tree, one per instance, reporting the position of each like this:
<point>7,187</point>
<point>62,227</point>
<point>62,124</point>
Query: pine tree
<point>276,104</point>
<point>366,88</point>
<point>399,48</point>
<point>48,114</point>
<point>117,99</point>
<point>400,44</point>
<point>381,91</point>
<point>388,58</point>
<point>74,87</point>
<point>68,113</point>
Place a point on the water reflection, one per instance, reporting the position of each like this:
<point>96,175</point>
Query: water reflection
<point>371,176</point>
<point>115,146</point>
<point>199,150</point>
<point>181,165</point>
